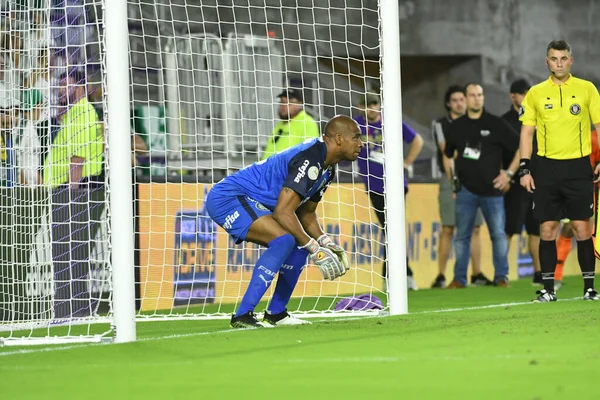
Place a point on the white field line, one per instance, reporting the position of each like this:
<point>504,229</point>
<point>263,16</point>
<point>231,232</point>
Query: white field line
<point>193,334</point>
<point>522,303</point>
<point>384,359</point>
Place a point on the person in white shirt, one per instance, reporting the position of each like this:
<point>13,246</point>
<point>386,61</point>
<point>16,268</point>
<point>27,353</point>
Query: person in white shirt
<point>27,143</point>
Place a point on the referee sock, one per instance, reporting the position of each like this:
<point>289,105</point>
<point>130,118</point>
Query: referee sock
<point>563,245</point>
<point>265,270</point>
<point>587,262</point>
<point>548,263</point>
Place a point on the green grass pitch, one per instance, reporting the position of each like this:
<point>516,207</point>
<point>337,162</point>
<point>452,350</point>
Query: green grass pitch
<point>469,351</point>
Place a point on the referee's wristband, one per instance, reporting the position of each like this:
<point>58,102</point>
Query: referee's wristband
<point>524,163</point>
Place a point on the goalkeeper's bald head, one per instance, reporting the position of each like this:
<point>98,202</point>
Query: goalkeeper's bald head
<point>343,139</point>
<point>340,124</point>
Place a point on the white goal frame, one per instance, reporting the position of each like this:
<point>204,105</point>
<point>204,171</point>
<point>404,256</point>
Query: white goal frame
<point>123,315</point>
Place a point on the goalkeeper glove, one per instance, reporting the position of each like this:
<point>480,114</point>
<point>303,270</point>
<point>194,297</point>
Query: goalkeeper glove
<point>325,241</point>
<point>326,260</point>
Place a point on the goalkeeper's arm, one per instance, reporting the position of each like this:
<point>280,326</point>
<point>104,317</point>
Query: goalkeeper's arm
<point>307,215</point>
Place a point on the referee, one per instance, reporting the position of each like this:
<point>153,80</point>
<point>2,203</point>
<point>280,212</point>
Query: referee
<point>562,180</point>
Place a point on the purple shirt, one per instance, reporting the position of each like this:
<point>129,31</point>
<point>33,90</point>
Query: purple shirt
<point>370,159</point>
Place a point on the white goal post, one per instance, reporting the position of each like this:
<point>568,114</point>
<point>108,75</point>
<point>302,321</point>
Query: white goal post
<point>119,116</point>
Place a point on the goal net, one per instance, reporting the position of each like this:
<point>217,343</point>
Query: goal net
<point>55,269</point>
<point>205,80</point>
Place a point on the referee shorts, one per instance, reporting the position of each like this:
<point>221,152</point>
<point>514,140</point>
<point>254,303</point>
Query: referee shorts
<point>518,211</point>
<point>563,189</point>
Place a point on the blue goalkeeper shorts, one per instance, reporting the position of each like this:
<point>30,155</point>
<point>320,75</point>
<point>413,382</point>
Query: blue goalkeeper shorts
<point>233,211</point>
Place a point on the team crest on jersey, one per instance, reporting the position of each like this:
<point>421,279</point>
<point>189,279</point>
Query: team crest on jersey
<point>313,173</point>
<point>521,111</point>
<point>259,206</point>
<point>575,109</point>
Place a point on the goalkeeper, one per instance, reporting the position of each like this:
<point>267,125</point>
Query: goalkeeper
<point>273,203</point>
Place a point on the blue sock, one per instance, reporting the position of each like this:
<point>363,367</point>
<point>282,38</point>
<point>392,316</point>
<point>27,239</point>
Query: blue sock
<point>288,278</point>
<point>265,270</point>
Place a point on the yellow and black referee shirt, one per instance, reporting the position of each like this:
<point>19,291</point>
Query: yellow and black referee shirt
<point>562,116</point>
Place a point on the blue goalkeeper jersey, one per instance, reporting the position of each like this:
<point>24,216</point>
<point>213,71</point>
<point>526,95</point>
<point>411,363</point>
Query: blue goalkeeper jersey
<point>300,168</point>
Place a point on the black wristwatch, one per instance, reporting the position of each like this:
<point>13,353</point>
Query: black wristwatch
<point>524,167</point>
<point>523,172</point>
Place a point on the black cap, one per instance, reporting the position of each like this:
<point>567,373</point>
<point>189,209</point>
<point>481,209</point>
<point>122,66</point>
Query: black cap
<point>520,86</point>
<point>292,93</point>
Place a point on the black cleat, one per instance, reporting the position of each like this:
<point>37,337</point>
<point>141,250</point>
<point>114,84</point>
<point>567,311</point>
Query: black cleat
<point>439,283</point>
<point>544,296</point>
<point>591,294</point>
<point>247,321</point>
<point>481,280</point>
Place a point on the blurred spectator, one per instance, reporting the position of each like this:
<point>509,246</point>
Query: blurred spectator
<point>9,73</point>
<point>76,154</point>
<point>95,96</point>
<point>28,147</point>
<point>454,101</point>
<point>478,140</point>
<point>68,31</point>
<point>95,90</point>
<point>295,127</point>
<point>370,163</point>
<point>8,105</point>
<point>138,147</point>
<point>38,35</point>
<point>518,204</point>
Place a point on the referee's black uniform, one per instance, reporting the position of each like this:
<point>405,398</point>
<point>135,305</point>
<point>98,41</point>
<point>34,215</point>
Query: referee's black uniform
<point>517,201</point>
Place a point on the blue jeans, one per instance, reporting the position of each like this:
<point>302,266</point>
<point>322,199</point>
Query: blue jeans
<point>492,207</point>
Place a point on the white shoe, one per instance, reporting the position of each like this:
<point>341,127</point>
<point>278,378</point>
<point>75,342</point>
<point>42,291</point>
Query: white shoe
<point>411,284</point>
<point>283,318</point>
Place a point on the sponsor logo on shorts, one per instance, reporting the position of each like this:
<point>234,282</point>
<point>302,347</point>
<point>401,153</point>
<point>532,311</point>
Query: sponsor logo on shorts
<point>230,219</point>
<point>484,132</point>
<point>259,206</point>
<point>301,171</point>
<point>575,109</point>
